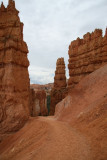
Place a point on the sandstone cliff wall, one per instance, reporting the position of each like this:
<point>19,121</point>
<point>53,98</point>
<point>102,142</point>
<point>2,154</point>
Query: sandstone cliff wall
<point>86,55</point>
<point>14,77</point>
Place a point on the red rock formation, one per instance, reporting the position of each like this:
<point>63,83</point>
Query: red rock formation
<point>14,77</point>
<point>60,78</point>
<point>32,100</point>
<point>46,87</point>
<point>59,90</point>
<point>86,55</point>
<point>38,105</point>
<point>41,102</point>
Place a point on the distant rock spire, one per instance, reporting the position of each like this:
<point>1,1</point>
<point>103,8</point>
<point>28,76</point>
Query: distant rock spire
<point>59,90</point>
<point>11,7</point>
<point>2,7</point>
<point>60,78</point>
<point>11,3</point>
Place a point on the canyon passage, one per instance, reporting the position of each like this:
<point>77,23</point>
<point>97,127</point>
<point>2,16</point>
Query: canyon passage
<point>74,126</point>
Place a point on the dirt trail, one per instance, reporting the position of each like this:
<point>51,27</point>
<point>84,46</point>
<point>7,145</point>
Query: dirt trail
<point>45,139</point>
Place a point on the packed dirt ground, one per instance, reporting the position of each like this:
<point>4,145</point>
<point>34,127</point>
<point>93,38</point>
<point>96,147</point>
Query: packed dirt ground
<point>44,139</point>
<point>47,138</point>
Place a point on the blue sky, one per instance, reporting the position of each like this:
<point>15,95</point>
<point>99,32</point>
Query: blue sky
<point>51,25</point>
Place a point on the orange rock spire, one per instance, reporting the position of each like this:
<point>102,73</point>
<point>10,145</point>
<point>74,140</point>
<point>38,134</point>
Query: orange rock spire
<point>59,90</point>
<point>60,78</point>
<point>2,8</point>
<point>14,77</point>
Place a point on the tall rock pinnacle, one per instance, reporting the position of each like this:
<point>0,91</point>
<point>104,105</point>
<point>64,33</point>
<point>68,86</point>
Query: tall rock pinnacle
<point>59,90</point>
<point>14,77</point>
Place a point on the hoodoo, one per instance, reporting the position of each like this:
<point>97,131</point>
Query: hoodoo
<point>14,77</point>
<point>60,77</point>
<point>59,90</point>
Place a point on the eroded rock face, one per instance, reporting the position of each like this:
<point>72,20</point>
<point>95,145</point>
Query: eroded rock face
<point>46,87</point>
<point>86,55</point>
<point>38,106</point>
<point>14,77</point>
<point>59,90</point>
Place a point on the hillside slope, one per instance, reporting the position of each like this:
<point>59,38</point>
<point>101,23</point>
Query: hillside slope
<point>85,96</point>
<point>86,110</point>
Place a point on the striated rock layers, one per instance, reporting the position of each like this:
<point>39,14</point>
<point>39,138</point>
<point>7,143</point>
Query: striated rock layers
<point>14,77</point>
<point>86,55</point>
<point>38,105</point>
<point>59,91</point>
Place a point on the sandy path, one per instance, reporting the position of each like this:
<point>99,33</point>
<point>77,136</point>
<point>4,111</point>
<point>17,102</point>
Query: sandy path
<point>46,139</point>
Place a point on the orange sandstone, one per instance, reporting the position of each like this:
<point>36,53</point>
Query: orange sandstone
<point>59,90</point>
<point>38,103</point>
<point>14,77</point>
<point>86,55</point>
<point>60,78</point>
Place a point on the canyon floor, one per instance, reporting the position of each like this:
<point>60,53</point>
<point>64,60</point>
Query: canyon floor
<point>78,131</point>
<point>44,139</point>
